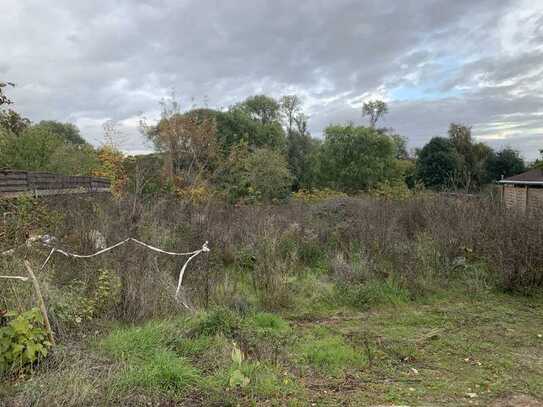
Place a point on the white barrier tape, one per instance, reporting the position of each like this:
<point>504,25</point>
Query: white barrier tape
<point>16,278</point>
<point>8,252</point>
<point>192,255</point>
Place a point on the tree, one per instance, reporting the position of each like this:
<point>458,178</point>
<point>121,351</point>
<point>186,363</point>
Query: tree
<point>39,149</point>
<point>13,122</point>
<point>355,158</point>
<point>74,159</point>
<point>374,109</point>
<point>67,131</point>
<point>473,157</point>
<point>290,106</point>
<point>437,163</point>
<point>268,175</point>
<point>504,163</point>
<point>300,152</point>
<point>300,145</point>
<point>32,150</point>
<point>237,125</point>
<point>400,142</point>
<point>188,141</point>
<point>261,108</point>
<point>261,175</point>
<point>4,99</point>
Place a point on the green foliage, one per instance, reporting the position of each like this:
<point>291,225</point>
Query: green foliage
<point>66,131</point>
<point>13,122</point>
<point>218,321</point>
<point>261,108</point>
<point>301,150</point>
<point>259,176</point>
<point>150,365</point>
<point>25,216</point>
<point>265,335</point>
<point>355,158</point>
<point>437,163</point>
<point>74,159</point>
<point>374,109</point>
<point>372,293</point>
<point>38,148</point>
<point>329,353</point>
<point>395,190</point>
<point>268,175</point>
<point>23,341</point>
<point>161,372</point>
<point>32,150</point>
<point>78,302</point>
<point>237,378</point>
<point>472,158</point>
<point>317,195</point>
<point>505,163</point>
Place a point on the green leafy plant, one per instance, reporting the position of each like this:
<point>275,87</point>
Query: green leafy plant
<point>23,341</point>
<point>237,377</point>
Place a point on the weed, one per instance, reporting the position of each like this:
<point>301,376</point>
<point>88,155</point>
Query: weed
<point>330,354</point>
<point>372,293</point>
<point>218,321</point>
<point>163,371</point>
<point>138,343</point>
<point>23,341</point>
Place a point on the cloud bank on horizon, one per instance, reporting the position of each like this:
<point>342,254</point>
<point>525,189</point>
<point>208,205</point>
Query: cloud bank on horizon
<point>434,61</point>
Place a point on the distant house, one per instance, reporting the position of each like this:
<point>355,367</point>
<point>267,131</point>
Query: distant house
<point>523,191</point>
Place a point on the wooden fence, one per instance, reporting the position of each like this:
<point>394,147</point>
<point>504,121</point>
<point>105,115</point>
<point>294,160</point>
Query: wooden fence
<point>15,183</point>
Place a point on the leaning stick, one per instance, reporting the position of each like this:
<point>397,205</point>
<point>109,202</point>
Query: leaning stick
<point>41,303</point>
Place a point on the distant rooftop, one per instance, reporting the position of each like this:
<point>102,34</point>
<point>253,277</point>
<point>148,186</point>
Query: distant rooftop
<point>532,177</point>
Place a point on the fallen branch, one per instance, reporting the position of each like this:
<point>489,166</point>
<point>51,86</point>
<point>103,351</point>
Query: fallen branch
<point>41,303</point>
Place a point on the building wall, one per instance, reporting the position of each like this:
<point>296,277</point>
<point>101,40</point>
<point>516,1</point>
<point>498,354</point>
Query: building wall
<point>535,199</point>
<point>522,198</point>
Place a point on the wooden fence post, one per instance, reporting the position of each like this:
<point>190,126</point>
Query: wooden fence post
<point>41,303</point>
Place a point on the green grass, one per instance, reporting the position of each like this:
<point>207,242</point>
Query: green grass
<point>163,372</point>
<point>440,349</point>
<point>329,353</point>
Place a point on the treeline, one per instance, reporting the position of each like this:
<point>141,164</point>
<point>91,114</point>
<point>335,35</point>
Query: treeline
<point>257,150</point>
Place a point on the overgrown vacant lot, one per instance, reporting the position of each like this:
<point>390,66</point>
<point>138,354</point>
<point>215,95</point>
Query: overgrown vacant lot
<point>429,301</point>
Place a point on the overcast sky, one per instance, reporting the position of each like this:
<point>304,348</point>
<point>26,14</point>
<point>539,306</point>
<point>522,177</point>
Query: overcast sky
<point>477,62</point>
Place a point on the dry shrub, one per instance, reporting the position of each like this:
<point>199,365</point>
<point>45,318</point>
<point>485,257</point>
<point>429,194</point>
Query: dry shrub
<point>417,242</point>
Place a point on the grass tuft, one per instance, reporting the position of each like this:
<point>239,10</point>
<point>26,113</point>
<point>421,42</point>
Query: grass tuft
<point>330,354</point>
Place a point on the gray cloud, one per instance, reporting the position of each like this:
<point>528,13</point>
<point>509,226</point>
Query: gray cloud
<point>91,61</point>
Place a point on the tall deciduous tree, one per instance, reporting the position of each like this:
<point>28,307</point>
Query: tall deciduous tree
<point>290,106</point>
<point>262,108</point>
<point>473,157</point>
<point>375,110</point>
<point>188,141</point>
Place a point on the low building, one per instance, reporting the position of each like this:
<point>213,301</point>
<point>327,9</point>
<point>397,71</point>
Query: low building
<point>523,191</point>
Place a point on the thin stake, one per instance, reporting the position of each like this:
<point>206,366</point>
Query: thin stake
<point>41,303</point>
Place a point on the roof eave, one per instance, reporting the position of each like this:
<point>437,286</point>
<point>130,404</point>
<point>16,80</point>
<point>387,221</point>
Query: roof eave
<point>521,182</point>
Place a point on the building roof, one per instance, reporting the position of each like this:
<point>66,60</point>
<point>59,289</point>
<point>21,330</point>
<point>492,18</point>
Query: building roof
<point>532,177</point>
